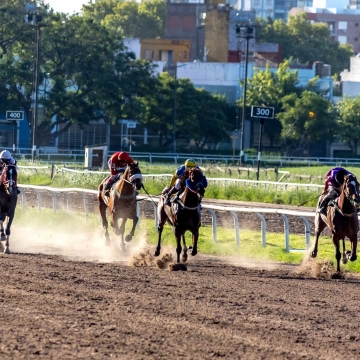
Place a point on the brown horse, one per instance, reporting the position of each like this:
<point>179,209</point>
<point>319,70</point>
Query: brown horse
<point>183,215</point>
<point>121,203</point>
<point>342,220</point>
<point>8,200</point>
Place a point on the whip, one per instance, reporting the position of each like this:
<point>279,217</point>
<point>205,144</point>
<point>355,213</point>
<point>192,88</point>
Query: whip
<point>142,185</point>
<point>309,200</point>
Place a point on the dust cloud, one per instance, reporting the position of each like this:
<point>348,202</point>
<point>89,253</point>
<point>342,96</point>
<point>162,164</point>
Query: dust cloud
<point>88,246</point>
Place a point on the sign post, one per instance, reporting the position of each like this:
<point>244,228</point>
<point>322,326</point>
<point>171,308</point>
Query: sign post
<point>261,112</point>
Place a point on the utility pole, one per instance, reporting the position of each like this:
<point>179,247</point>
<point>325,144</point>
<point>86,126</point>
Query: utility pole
<point>244,31</point>
<point>34,19</point>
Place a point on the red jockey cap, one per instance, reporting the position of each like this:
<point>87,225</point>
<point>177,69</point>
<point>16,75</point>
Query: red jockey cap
<point>124,156</point>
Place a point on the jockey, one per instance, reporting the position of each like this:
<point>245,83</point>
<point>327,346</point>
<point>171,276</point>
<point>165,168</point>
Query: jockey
<point>117,165</point>
<point>181,175</point>
<point>7,159</point>
<point>333,183</point>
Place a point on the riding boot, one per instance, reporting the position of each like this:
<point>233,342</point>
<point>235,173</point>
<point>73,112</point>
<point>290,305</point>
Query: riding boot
<point>172,191</point>
<point>107,187</point>
<point>324,204</point>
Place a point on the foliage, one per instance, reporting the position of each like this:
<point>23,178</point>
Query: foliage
<point>194,109</point>
<point>85,75</point>
<point>307,42</point>
<point>130,18</point>
<point>349,121</point>
<point>306,119</point>
<point>281,90</point>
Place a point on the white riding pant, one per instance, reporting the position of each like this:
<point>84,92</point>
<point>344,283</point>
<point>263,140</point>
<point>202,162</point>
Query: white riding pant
<point>178,184</point>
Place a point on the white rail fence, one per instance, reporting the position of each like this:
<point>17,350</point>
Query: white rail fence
<point>219,181</point>
<point>233,211</point>
<point>79,154</point>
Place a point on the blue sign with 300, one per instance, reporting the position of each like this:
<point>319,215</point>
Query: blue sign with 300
<point>262,112</point>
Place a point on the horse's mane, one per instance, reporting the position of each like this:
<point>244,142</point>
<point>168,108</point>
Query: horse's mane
<point>126,173</point>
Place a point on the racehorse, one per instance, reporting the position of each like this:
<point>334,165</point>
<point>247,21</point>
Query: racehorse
<point>183,214</point>
<point>121,203</point>
<point>342,220</point>
<point>8,200</point>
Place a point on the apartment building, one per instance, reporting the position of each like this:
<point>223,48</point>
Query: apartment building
<point>275,9</point>
<point>344,24</point>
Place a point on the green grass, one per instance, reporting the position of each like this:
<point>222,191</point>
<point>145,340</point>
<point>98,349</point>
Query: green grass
<point>250,241</point>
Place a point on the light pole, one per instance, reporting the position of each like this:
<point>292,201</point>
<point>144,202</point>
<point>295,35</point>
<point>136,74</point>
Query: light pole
<point>244,31</point>
<point>174,123</point>
<point>34,19</point>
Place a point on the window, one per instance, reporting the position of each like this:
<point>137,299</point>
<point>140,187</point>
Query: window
<point>342,39</point>
<point>342,25</point>
<point>256,2</point>
<point>149,54</point>
<point>189,22</point>
<point>268,3</point>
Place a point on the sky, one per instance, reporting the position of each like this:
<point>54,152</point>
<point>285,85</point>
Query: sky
<point>67,6</point>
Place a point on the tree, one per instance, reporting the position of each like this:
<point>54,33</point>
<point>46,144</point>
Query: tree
<point>349,122</point>
<point>307,42</point>
<point>130,18</point>
<point>306,119</point>
<point>200,116</point>
<point>267,88</point>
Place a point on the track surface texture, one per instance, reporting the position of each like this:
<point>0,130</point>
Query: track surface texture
<point>75,299</point>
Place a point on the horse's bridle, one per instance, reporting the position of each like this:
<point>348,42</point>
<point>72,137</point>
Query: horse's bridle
<point>10,182</point>
<point>348,196</point>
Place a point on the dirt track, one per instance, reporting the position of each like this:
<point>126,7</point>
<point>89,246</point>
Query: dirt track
<point>69,307</point>
<point>67,298</point>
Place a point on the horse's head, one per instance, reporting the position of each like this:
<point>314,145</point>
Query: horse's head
<point>135,176</point>
<point>351,189</point>
<point>196,177</point>
<point>9,178</point>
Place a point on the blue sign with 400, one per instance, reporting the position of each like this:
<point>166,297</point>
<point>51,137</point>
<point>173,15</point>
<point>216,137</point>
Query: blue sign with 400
<point>14,115</point>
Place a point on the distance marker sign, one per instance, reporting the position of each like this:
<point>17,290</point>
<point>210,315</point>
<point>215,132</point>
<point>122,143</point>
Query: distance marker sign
<point>262,112</point>
<point>14,115</point>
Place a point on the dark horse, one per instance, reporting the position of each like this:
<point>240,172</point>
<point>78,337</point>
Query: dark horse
<point>342,220</point>
<point>8,200</point>
<point>121,203</point>
<point>184,215</point>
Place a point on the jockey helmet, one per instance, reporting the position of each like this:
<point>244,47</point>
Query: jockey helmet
<point>190,164</point>
<point>123,156</point>
<point>5,155</point>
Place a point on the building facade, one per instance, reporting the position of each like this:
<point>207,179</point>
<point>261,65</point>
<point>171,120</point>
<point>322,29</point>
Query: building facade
<point>185,21</point>
<point>344,25</point>
<point>275,9</point>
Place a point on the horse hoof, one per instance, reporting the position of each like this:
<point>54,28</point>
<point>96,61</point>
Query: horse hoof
<point>128,238</point>
<point>6,250</point>
<point>337,275</point>
<point>193,252</point>
<point>3,237</point>
<point>157,253</point>
<point>313,254</point>
<point>344,261</point>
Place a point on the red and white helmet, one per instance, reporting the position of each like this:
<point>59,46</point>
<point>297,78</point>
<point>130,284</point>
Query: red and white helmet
<point>124,156</point>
